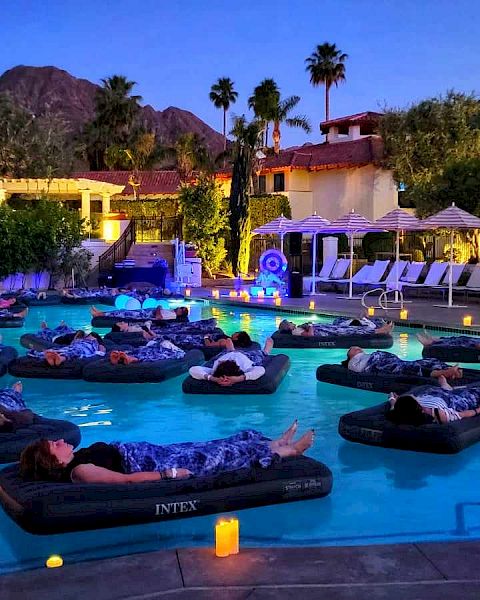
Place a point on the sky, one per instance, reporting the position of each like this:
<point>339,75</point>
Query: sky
<point>400,51</point>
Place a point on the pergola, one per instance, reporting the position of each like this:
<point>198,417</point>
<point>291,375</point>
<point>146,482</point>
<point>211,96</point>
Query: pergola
<point>71,188</point>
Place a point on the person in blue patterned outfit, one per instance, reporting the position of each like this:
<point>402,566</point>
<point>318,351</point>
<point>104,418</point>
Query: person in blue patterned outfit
<point>134,462</point>
<point>60,334</point>
<point>144,314</point>
<point>325,329</point>
<point>7,314</point>
<point>458,341</point>
<point>11,398</point>
<point>13,410</point>
<point>435,404</point>
<point>381,363</point>
<point>153,351</point>
<point>82,347</point>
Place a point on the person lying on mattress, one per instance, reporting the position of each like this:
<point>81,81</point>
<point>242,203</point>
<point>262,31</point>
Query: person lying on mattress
<point>32,294</point>
<point>155,314</point>
<point>158,349</point>
<point>240,339</point>
<point>234,366</point>
<point>386,363</point>
<point>62,334</point>
<point>458,341</point>
<point>435,404</point>
<point>7,302</point>
<point>13,410</point>
<point>135,462</point>
<point>6,314</point>
<point>84,346</point>
<point>325,329</point>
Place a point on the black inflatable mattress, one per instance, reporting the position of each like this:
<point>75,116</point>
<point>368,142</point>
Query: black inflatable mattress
<point>452,354</point>
<point>47,508</point>
<point>11,322</point>
<point>287,340</point>
<point>82,300</point>
<point>103,371</point>
<point>51,300</point>
<point>27,366</point>
<point>7,354</point>
<point>371,426</point>
<point>109,320</point>
<point>12,443</point>
<point>276,367</point>
<point>35,342</point>
<point>136,339</point>
<point>339,375</point>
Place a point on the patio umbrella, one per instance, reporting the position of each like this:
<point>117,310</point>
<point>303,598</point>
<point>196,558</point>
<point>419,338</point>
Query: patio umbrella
<point>313,224</point>
<point>452,218</point>
<point>398,220</point>
<point>350,224</point>
<point>276,227</point>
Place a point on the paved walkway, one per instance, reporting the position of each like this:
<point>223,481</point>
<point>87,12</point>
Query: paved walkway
<point>430,571</point>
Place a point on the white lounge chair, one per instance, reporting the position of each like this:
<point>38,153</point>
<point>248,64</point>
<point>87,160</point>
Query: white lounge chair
<point>457,271</point>
<point>338,271</point>
<point>369,273</point>
<point>394,274</point>
<point>327,267</point>
<point>473,283</point>
<point>434,275</point>
<point>413,272</point>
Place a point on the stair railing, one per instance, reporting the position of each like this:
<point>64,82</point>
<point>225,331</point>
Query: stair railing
<point>118,251</point>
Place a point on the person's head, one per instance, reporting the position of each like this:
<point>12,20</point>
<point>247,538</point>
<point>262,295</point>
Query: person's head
<point>45,459</point>
<point>120,326</point>
<point>353,351</point>
<point>241,339</point>
<point>181,312</point>
<point>286,326</point>
<point>79,335</point>
<point>228,368</point>
<point>407,411</point>
<point>355,322</point>
<point>95,336</point>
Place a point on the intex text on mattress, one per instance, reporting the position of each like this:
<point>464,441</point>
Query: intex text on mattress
<point>287,340</point>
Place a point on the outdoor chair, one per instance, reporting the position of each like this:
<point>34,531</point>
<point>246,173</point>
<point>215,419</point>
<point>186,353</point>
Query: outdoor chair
<point>369,274</point>
<point>327,268</point>
<point>435,273</point>
<point>413,272</point>
<point>473,283</point>
<point>395,273</point>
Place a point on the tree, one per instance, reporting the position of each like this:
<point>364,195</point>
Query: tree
<point>263,102</point>
<point>190,155</point>
<point>280,114</point>
<point>432,149</point>
<point>204,220</point>
<point>222,95</point>
<point>247,141</point>
<point>326,67</point>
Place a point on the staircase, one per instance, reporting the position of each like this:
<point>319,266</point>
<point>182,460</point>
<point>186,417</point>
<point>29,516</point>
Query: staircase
<point>145,254</point>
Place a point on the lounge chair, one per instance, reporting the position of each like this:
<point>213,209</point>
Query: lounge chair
<point>473,283</point>
<point>434,275</point>
<point>369,273</point>
<point>338,271</point>
<point>413,272</point>
<point>327,267</point>
<point>395,273</point>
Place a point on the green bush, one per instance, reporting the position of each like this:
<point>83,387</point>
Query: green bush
<point>147,207</point>
<point>377,242</point>
<point>417,255</point>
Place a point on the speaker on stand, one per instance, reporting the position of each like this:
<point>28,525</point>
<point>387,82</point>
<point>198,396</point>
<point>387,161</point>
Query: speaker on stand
<point>295,265</point>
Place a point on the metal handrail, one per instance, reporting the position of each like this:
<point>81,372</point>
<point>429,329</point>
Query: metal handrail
<point>118,250</point>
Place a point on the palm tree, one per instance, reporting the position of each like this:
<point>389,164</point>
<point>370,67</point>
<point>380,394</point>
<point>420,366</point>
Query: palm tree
<point>222,95</point>
<point>280,115</point>
<point>265,97</point>
<point>326,67</point>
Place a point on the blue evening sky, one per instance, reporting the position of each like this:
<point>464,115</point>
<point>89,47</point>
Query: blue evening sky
<point>399,51</point>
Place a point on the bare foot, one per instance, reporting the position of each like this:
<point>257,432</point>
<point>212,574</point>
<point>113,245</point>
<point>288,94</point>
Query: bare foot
<point>18,387</point>
<point>385,329</point>
<point>59,359</point>
<point>288,435</point>
<point>443,383</point>
<point>267,348</point>
<point>95,312</point>
<point>305,442</point>
<point>424,339</point>
<point>50,357</point>
<point>130,359</point>
<point>114,357</point>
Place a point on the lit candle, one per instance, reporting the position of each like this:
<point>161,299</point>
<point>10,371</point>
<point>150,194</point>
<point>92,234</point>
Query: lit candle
<point>234,536</point>
<point>261,295</point>
<point>311,305</point>
<point>188,293</point>
<point>278,301</point>
<point>216,294</point>
<point>371,311</point>
<point>233,294</point>
<point>276,294</point>
<point>222,538</point>
<point>54,561</point>
<point>246,297</point>
<point>404,314</point>
<point>467,320</point>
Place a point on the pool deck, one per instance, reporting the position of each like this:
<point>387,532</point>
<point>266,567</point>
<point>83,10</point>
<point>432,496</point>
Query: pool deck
<point>421,311</point>
<point>424,571</point>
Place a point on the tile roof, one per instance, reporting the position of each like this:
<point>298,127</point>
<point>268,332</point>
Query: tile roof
<point>151,182</point>
<point>366,117</point>
<point>316,157</point>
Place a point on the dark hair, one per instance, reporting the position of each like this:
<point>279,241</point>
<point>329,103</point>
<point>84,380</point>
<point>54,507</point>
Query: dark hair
<point>95,335</point>
<point>79,334</point>
<point>345,362</point>
<point>243,340</point>
<point>355,322</point>
<point>37,463</point>
<point>228,368</point>
<point>407,411</point>
<point>115,328</point>
<point>182,313</point>
<point>65,340</point>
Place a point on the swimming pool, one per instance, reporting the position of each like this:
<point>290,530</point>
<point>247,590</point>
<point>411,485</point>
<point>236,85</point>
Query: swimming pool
<point>379,495</point>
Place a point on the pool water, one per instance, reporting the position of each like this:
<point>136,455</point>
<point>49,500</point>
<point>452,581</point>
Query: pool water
<point>379,495</point>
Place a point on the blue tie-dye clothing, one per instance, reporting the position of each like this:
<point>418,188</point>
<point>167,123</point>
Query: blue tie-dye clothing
<point>157,350</point>
<point>461,341</point>
<point>346,321</point>
<point>50,335</point>
<point>84,348</point>
<point>192,327</point>
<point>381,362</point>
<point>141,314</point>
<point>242,450</point>
<point>340,330</point>
<point>256,356</point>
<point>4,312</point>
<point>11,400</point>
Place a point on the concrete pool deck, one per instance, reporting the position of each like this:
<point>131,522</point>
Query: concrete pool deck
<point>422,571</point>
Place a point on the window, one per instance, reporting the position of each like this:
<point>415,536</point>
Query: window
<point>279,182</point>
<point>262,184</point>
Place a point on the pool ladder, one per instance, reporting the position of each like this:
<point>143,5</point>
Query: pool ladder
<point>384,301</point>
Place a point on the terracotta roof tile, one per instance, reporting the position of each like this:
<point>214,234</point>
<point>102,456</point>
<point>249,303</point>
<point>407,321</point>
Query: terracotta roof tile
<point>151,182</point>
<point>365,117</point>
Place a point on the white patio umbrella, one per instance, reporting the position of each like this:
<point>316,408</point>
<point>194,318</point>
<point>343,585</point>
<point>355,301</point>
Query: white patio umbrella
<point>398,220</point>
<point>276,227</point>
<point>313,224</point>
<point>350,224</point>
<point>452,218</point>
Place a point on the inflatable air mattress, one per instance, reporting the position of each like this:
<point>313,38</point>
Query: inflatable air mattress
<point>372,427</point>
<point>103,371</point>
<point>7,354</point>
<point>35,342</point>
<point>48,301</point>
<point>136,339</point>
<point>452,354</point>
<point>109,320</point>
<point>11,322</point>
<point>81,301</point>
<point>12,443</point>
<point>339,375</point>
<point>47,508</point>
<point>276,367</point>
<point>287,340</point>
<point>27,366</point>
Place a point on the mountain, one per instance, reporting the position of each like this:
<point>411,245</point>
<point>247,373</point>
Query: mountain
<point>40,88</point>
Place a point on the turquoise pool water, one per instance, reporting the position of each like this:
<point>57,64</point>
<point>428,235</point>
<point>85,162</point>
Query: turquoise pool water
<point>379,495</point>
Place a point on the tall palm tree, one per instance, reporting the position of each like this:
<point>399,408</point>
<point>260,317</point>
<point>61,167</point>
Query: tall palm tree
<point>263,101</point>
<point>280,115</point>
<point>222,95</point>
<point>326,67</point>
